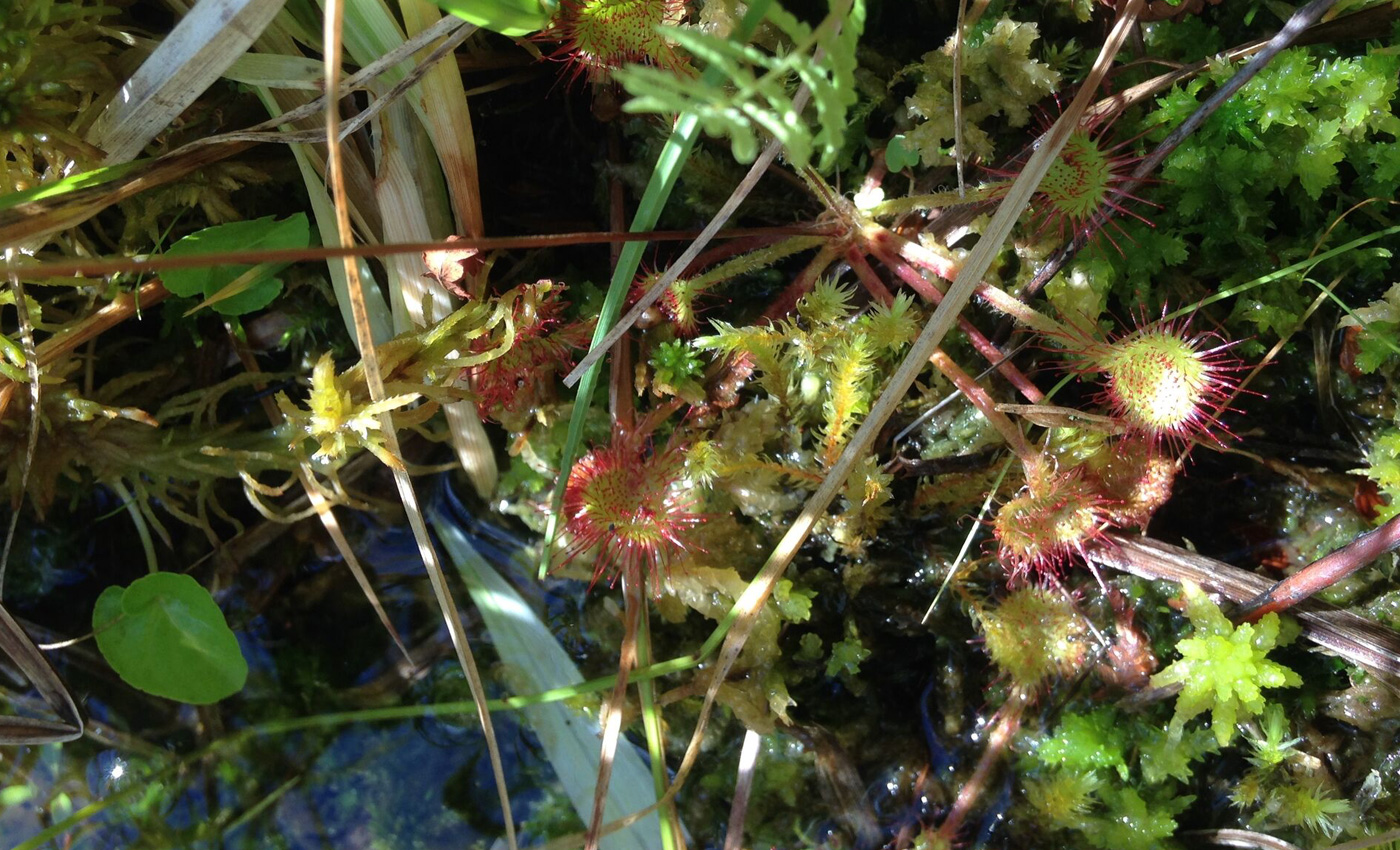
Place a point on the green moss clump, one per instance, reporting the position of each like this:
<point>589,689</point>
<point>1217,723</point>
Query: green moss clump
<point>1222,668</point>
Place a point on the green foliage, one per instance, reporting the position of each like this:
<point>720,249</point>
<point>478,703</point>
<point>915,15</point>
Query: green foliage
<point>1308,804</point>
<point>891,328</point>
<point>255,285</point>
<point>847,655</point>
<point>899,154</point>
<point>1033,635</point>
<point>1085,743</point>
<point>1275,148</point>
<point>165,635</point>
<point>795,605</point>
<point>757,95</point>
<point>54,65</point>
<point>677,370</point>
<point>1378,332</point>
<point>1162,757</point>
<point>1001,80</point>
<point>1063,797</point>
<point>1383,467</point>
<point>507,17</point>
<point>1222,667</point>
<point>1133,823</point>
<point>1273,747</point>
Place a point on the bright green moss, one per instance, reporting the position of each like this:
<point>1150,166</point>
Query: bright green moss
<point>1222,668</point>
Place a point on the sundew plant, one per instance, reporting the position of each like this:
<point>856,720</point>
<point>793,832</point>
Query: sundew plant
<point>692,423</point>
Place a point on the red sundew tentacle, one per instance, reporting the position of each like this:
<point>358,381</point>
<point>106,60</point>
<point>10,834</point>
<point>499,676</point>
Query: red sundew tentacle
<point>1083,180</point>
<point>599,36</point>
<point>1049,523</point>
<point>1160,379</point>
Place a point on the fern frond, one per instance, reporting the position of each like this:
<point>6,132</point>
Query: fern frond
<point>756,97</point>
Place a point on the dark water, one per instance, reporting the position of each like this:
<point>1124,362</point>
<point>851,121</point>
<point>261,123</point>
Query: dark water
<point>313,647</point>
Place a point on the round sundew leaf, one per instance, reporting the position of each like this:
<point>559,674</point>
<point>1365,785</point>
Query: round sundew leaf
<point>166,636</point>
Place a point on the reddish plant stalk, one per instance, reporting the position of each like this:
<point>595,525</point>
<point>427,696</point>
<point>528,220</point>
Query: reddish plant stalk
<point>984,346</point>
<point>868,277</point>
<point>1004,726</point>
<point>974,393</point>
<point>1325,571</point>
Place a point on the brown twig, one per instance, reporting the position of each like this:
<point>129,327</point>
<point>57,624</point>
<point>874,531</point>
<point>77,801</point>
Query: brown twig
<point>98,266</point>
<point>1324,572</point>
<point>1355,638</point>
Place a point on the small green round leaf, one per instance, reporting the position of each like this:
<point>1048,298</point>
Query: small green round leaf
<point>165,635</point>
<point>900,154</point>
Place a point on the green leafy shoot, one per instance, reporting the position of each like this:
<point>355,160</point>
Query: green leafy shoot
<point>1086,742</point>
<point>507,17</point>
<point>1222,668</point>
<point>755,94</point>
<point>1273,747</point>
<point>165,635</point>
<point>236,290</point>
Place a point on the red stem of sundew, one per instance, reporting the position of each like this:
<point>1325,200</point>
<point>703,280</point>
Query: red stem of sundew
<point>732,248</point>
<point>1004,726</point>
<point>883,242</point>
<point>984,346</point>
<point>1325,571</point>
<point>621,399</point>
<point>868,277</point>
<point>974,393</point>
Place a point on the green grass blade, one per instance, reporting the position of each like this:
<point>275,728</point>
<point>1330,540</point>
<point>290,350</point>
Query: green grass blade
<point>536,661</point>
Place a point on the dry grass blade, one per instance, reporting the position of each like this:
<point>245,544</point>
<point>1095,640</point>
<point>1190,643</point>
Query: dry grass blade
<point>198,50</point>
<point>26,730</point>
<point>743,787</point>
<point>375,382</point>
<point>1355,638</point>
<point>449,124</point>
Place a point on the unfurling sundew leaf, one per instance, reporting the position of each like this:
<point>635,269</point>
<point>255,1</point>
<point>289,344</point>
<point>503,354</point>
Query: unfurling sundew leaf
<point>165,635</point>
